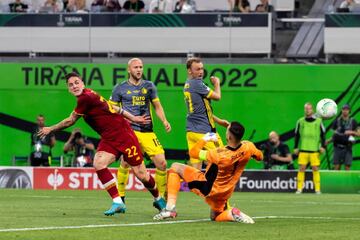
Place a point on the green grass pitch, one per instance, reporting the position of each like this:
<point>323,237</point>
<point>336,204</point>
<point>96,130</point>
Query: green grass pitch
<point>30,214</point>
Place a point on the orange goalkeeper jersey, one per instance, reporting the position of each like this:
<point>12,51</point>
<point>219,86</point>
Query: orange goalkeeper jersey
<point>230,165</point>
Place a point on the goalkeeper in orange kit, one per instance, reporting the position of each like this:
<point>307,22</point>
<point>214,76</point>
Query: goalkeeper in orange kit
<point>216,185</point>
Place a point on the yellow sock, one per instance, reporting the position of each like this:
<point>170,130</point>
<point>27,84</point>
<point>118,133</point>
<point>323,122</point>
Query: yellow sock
<point>225,216</point>
<point>316,180</point>
<point>173,187</point>
<point>122,178</point>
<point>160,179</point>
<point>300,180</point>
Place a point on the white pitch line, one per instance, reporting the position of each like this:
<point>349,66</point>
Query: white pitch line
<point>307,202</point>
<point>304,217</point>
<point>164,223</point>
<point>103,225</point>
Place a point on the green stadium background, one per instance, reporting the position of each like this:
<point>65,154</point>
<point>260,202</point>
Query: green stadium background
<point>262,97</point>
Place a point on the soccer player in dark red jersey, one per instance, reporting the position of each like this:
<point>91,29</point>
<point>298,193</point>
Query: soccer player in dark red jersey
<point>117,138</point>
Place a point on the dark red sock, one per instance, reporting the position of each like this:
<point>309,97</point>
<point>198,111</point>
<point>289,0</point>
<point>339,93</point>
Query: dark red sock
<point>108,181</point>
<point>150,185</point>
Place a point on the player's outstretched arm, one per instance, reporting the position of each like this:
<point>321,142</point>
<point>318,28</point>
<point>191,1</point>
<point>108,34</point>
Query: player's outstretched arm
<point>257,154</point>
<point>197,152</point>
<point>221,122</point>
<point>67,122</point>
<point>159,110</point>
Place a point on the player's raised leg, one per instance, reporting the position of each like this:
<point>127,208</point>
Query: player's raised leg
<point>101,161</point>
<point>173,187</point>
<point>177,172</point>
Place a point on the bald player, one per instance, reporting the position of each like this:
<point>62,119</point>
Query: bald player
<point>136,96</point>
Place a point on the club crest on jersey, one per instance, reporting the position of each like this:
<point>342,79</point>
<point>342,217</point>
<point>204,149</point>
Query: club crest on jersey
<point>128,92</point>
<point>143,91</point>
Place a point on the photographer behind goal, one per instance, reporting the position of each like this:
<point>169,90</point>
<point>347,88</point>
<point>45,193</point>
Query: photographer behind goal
<point>82,147</point>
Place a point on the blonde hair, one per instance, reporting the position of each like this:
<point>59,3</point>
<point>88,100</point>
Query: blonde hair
<point>308,104</point>
<point>133,60</point>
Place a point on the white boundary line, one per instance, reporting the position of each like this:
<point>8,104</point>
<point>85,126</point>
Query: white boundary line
<point>103,225</point>
<point>164,223</point>
<point>304,217</point>
<point>308,202</point>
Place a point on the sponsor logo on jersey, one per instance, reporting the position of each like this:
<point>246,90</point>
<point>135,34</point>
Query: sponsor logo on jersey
<point>143,91</point>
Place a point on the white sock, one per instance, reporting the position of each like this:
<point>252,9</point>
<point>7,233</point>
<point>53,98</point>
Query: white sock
<point>117,200</point>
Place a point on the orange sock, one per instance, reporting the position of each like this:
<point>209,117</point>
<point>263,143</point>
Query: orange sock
<point>173,187</point>
<point>225,216</point>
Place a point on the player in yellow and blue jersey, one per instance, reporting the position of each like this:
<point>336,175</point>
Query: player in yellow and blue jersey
<point>200,118</point>
<point>135,96</point>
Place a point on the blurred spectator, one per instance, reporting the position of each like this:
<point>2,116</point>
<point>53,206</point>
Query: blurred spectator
<point>160,6</point>
<point>347,4</point>
<point>77,6</point>
<point>41,147</point>
<point>105,6</point>
<point>66,2</point>
<point>52,6</point>
<point>264,6</point>
<point>82,147</point>
<point>36,5</point>
<point>276,154</point>
<point>18,6</point>
<point>185,6</point>
<point>134,6</point>
<point>239,6</point>
<point>346,129</point>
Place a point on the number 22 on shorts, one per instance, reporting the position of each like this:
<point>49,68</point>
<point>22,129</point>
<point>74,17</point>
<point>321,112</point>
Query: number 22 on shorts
<point>131,151</point>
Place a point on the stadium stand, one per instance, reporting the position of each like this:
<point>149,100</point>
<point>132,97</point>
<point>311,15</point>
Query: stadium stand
<point>309,40</point>
<point>297,33</point>
<point>201,5</point>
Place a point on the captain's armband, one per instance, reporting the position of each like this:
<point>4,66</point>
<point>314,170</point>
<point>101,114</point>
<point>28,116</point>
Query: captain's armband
<point>202,155</point>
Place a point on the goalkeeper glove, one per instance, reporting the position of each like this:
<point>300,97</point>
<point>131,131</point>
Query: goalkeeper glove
<point>210,137</point>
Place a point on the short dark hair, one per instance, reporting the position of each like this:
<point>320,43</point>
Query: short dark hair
<point>237,130</point>
<point>70,75</point>
<point>77,135</point>
<point>190,61</point>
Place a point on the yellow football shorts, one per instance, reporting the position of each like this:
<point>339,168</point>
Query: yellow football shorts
<point>305,158</point>
<point>149,143</point>
<point>193,137</point>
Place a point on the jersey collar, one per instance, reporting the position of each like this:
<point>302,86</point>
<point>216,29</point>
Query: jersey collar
<point>234,149</point>
<point>140,83</point>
